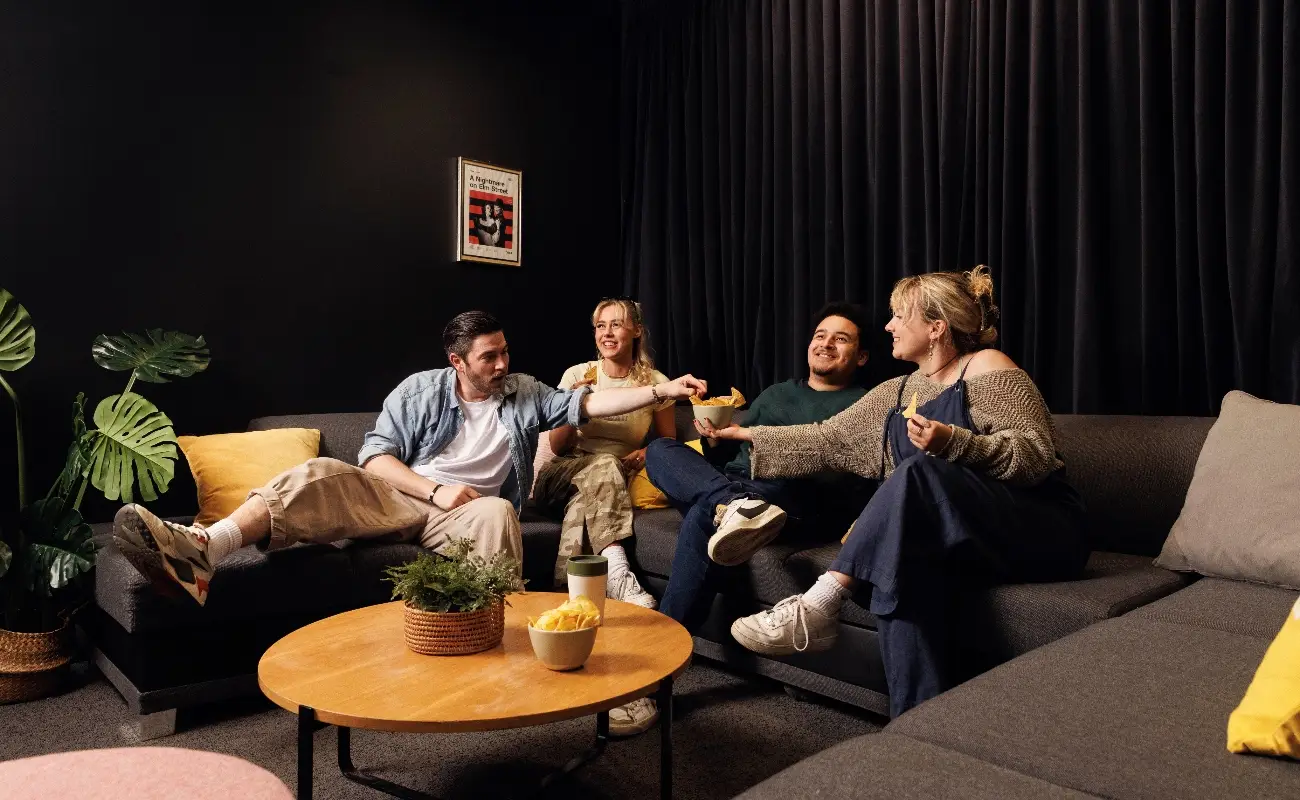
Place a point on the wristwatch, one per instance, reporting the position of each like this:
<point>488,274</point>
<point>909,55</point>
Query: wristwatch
<point>432,492</point>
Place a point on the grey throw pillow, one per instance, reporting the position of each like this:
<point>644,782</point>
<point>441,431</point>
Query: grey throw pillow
<point>1241,518</point>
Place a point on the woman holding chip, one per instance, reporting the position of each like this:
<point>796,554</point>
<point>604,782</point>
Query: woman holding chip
<point>973,489</point>
<point>589,475</point>
<point>588,478</point>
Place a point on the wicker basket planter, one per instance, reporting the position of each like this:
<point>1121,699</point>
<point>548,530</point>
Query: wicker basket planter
<point>32,665</point>
<point>453,633</point>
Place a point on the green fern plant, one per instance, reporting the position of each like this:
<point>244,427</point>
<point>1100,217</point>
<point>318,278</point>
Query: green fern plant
<point>460,580</point>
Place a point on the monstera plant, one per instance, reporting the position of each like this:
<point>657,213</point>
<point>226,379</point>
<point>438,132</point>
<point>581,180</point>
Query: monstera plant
<point>129,450</point>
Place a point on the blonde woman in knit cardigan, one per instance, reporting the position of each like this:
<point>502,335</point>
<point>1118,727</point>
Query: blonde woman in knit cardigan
<point>973,488</point>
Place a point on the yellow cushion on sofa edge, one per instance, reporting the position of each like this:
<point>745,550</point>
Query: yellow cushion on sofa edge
<point>1268,720</point>
<point>644,493</point>
<point>226,466</point>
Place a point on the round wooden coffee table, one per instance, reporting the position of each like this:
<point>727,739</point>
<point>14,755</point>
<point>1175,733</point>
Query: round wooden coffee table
<point>353,670</point>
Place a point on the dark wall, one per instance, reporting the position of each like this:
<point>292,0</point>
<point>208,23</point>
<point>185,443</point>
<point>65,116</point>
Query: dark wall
<point>282,182</point>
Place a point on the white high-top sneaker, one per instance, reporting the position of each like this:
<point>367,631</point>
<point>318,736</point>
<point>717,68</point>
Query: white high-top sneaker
<point>743,526</point>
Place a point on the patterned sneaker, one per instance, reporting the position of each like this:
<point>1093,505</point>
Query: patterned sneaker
<point>744,526</point>
<point>792,626</point>
<point>625,587</point>
<point>636,717</point>
<point>166,553</point>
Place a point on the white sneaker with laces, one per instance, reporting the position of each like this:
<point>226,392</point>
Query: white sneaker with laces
<point>627,588</point>
<point>792,626</point>
<point>743,526</point>
<point>636,717</point>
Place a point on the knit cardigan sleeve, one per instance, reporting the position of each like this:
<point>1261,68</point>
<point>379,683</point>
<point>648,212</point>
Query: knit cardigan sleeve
<point>1016,440</point>
<point>847,442</point>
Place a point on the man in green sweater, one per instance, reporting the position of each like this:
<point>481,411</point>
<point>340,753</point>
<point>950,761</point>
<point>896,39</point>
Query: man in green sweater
<point>727,516</point>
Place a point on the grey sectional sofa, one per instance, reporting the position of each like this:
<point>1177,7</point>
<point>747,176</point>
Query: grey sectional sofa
<point>164,655</point>
<point>1135,707</point>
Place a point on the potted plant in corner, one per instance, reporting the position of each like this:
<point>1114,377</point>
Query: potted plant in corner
<point>46,555</point>
<point>455,603</point>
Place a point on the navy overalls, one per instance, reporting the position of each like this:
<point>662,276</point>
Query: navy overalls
<point>935,528</point>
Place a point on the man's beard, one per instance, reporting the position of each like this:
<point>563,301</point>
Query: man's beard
<point>823,372</point>
<point>487,385</point>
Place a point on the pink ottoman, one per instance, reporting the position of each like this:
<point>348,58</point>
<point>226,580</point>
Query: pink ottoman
<point>139,773</point>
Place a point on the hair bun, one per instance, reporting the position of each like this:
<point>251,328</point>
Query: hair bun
<point>979,283</point>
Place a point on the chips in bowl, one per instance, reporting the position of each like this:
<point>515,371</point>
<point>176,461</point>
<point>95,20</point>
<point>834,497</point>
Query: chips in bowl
<point>572,615</point>
<point>735,400</point>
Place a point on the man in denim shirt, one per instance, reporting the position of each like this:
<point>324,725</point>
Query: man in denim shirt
<point>451,456</point>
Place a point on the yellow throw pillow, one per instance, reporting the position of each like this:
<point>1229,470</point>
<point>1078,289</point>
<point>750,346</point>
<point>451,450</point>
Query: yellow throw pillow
<point>227,466</point>
<point>1268,720</point>
<point>645,494</point>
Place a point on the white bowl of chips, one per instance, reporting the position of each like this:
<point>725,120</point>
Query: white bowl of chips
<point>718,410</point>
<point>564,636</point>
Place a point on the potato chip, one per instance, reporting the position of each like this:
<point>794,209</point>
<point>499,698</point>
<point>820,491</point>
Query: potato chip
<point>735,400</point>
<point>572,615</point>
<point>911,408</point>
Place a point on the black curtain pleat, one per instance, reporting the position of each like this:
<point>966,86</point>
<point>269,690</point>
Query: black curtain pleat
<point>1127,169</point>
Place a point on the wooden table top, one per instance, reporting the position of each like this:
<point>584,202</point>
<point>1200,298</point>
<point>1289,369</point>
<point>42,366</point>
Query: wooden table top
<point>355,670</point>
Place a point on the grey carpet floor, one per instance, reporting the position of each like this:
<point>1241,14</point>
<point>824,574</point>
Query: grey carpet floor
<point>730,732</point>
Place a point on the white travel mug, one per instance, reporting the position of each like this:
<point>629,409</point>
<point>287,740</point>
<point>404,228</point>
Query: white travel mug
<point>587,576</point>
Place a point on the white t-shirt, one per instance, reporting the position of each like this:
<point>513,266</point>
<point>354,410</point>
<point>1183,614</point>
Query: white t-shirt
<point>479,456</point>
<point>617,435</point>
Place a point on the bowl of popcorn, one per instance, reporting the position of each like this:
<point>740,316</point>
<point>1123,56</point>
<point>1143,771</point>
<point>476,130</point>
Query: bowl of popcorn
<point>718,410</point>
<point>564,636</point>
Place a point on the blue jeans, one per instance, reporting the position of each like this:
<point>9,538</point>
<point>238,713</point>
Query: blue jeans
<point>696,488</point>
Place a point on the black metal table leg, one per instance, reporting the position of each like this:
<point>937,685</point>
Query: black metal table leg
<point>355,775</point>
<point>664,699</point>
<point>306,727</point>
<point>602,738</point>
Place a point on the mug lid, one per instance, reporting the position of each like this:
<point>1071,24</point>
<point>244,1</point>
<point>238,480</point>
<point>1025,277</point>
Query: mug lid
<point>588,566</point>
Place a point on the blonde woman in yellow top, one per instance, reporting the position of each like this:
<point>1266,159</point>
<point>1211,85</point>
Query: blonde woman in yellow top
<point>588,477</point>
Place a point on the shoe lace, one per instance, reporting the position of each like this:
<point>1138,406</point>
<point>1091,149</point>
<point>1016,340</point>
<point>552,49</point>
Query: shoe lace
<point>788,609</point>
<point>641,707</point>
<point>619,584</point>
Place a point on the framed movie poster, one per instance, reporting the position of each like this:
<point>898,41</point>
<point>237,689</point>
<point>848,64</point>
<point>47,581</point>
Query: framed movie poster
<point>489,213</point>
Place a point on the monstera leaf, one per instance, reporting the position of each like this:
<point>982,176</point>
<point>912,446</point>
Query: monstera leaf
<point>133,441</point>
<point>152,356</point>
<point>59,547</point>
<point>79,452</point>
<point>17,336</point>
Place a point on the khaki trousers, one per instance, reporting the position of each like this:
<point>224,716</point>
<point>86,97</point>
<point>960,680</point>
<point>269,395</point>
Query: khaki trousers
<point>592,491</point>
<point>324,500</point>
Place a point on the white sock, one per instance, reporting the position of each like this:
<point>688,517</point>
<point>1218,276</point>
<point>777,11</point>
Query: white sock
<point>826,595</point>
<point>224,538</point>
<point>617,559</point>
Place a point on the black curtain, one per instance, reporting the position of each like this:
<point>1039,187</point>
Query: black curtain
<point>1127,169</point>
